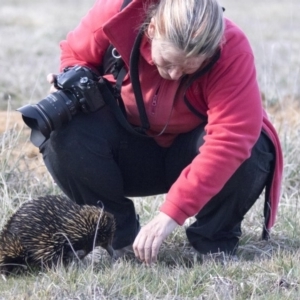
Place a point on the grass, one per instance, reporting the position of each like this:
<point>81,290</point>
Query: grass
<point>30,32</point>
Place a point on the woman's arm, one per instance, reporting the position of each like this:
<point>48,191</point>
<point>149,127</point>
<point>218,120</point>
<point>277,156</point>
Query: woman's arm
<point>234,125</point>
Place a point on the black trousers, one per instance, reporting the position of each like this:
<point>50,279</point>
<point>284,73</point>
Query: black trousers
<point>95,160</point>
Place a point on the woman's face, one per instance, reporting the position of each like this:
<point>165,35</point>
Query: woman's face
<point>171,62</point>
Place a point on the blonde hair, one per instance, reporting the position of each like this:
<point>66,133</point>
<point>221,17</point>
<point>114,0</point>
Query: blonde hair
<point>194,26</point>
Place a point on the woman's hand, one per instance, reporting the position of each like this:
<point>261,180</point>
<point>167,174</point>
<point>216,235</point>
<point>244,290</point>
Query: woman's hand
<point>51,79</point>
<point>151,236</point>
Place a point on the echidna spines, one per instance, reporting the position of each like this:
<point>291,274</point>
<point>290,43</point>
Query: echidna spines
<point>50,228</point>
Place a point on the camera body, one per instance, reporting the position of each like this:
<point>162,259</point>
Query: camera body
<point>78,90</point>
<point>82,85</point>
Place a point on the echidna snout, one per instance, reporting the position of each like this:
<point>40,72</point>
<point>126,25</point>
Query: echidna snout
<point>103,227</point>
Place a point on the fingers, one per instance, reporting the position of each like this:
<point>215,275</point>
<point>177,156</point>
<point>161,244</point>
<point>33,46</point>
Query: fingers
<point>151,236</point>
<point>146,247</point>
<point>139,246</point>
<point>51,79</point>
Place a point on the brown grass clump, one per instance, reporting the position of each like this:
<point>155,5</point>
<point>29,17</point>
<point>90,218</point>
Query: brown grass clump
<point>27,155</point>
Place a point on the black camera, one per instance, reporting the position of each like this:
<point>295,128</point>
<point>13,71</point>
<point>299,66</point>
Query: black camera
<point>78,90</point>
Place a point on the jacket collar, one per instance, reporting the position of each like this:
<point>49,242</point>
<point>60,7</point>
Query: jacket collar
<point>123,28</point>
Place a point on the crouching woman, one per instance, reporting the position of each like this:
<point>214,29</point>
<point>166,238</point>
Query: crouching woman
<point>209,147</point>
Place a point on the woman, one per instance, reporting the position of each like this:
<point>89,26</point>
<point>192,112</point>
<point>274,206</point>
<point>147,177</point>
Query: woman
<point>211,149</point>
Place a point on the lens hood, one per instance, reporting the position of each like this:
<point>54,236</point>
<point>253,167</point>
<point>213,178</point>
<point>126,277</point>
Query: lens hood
<point>34,118</point>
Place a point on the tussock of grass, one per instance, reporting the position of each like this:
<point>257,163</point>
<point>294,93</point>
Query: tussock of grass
<point>30,32</point>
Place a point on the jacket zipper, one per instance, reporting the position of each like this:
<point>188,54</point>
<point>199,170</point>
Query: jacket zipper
<point>154,102</point>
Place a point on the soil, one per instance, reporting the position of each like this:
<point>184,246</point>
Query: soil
<point>24,153</point>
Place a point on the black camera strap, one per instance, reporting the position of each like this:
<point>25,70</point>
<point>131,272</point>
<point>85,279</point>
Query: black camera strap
<point>111,94</point>
<point>109,97</point>
<point>114,64</point>
<point>135,80</point>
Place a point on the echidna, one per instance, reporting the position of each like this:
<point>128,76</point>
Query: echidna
<point>53,229</point>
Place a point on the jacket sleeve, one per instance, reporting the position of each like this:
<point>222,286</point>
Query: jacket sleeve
<point>87,43</point>
<point>234,124</point>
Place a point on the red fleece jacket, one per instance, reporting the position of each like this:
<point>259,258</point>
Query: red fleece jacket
<point>228,95</point>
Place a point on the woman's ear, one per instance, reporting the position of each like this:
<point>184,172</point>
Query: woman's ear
<point>151,29</point>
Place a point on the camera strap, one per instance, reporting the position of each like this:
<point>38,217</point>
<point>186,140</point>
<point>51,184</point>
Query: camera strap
<point>135,81</point>
<point>112,94</point>
<point>109,97</point>
<point>114,64</point>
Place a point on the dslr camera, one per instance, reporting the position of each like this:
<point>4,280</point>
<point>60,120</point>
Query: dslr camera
<point>78,90</point>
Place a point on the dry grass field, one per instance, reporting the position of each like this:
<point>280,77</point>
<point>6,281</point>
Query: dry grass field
<point>30,31</point>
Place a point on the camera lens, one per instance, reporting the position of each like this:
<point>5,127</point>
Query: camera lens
<point>48,115</point>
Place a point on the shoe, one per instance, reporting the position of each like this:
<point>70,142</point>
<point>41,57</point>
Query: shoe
<point>127,252</point>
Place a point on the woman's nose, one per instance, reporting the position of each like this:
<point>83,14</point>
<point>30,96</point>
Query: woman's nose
<point>175,73</point>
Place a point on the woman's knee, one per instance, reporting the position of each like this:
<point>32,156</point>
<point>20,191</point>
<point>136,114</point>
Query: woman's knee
<point>85,130</point>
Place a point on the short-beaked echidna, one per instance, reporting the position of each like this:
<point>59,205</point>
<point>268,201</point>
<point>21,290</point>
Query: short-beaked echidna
<point>53,229</point>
